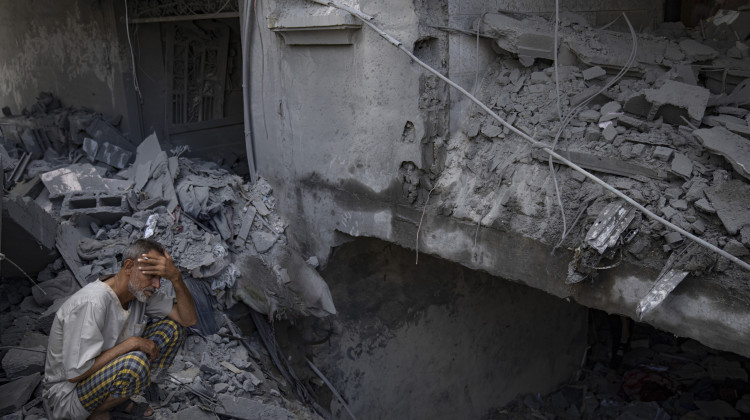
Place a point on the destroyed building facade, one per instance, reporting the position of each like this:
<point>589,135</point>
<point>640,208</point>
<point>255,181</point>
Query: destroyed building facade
<point>369,154</point>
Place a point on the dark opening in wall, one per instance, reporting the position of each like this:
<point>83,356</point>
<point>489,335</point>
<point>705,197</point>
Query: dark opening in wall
<point>438,340</point>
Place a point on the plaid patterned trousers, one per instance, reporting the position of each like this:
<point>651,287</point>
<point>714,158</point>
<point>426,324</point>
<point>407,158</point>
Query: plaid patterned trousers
<point>130,373</point>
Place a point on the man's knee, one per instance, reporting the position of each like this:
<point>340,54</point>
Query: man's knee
<point>166,331</point>
<point>137,366</point>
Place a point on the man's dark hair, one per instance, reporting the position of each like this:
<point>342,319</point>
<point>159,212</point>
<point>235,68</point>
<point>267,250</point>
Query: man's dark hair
<point>141,246</point>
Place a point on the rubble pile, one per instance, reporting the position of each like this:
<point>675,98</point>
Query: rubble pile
<point>659,377</point>
<point>86,200</point>
<point>666,134</point>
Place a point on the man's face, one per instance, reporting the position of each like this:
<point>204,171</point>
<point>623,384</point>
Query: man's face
<point>140,285</point>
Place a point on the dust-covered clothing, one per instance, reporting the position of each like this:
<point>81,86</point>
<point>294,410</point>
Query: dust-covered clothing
<point>130,373</point>
<point>88,323</point>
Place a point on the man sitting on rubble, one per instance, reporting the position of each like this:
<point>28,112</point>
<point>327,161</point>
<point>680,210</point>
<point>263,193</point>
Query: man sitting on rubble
<point>102,346</point>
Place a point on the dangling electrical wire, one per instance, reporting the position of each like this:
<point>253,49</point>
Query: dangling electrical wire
<point>550,150</point>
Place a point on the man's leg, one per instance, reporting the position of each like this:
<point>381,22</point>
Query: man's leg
<point>168,336</point>
<point>121,378</point>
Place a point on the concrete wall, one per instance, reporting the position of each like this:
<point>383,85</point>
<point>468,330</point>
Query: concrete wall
<point>437,340</point>
<point>353,138</point>
<point>66,47</point>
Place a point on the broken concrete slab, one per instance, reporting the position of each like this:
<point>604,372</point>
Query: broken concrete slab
<point>32,218</point>
<point>106,152</point>
<point>695,51</point>
<point>20,362</point>
<point>730,202</point>
<point>674,100</point>
<point>732,147</point>
<point>682,165</point>
<point>73,178</point>
<point>263,241</point>
<point>17,393</point>
<point>603,164</point>
<point>592,73</point>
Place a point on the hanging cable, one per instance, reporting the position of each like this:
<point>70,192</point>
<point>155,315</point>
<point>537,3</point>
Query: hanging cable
<point>366,20</point>
<point>132,55</point>
<point>4,258</point>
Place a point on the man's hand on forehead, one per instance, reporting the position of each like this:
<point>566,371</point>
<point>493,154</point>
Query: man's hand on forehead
<point>154,264</point>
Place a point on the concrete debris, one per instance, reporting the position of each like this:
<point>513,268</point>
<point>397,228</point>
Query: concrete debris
<point>730,203</point>
<point>17,393</point>
<point>732,147</point>
<point>675,100</point>
<point>695,51</point>
<point>593,73</point>
<point>20,362</point>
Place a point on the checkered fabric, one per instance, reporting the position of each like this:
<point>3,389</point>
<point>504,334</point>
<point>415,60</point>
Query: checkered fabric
<point>129,374</point>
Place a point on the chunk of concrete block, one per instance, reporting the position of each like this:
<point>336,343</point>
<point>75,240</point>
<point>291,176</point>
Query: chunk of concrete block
<point>593,73</point>
<point>589,116</point>
<point>682,165</point>
<point>21,362</point>
<point>630,122</point>
<point>17,393</point>
<point>672,237</point>
<point>730,202</point>
<point>663,153</point>
<point>609,132</point>
<point>695,51</point>
<point>704,206</point>
<point>261,207</point>
<point>674,100</point>
<point>73,178</point>
<point>263,241</point>
<point>103,206</point>
<point>736,248</point>
<point>247,223</point>
<point>32,218</point>
<point>732,147</point>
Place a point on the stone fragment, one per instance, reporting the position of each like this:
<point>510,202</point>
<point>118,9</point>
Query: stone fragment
<point>668,212</point>
<point>262,240</point>
<point>589,115</point>
<point>695,51</point>
<point>17,393</point>
<point>681,205</point>
<point>491,130</point>
<point>663,153</point>
<point>672,237</point>
<point>736,248</point>
<point>21,362</point>
<point>609,132</point>
<point>745,236</point>
<point>610,111</point>
<point>220,387</point>
<point>674,100</point>
<point>695,192</point>
<point>232,368</point>
<point>698,226</point>
<point>539,77</point>
<point>593,73</point>
<point>731,203</point>
<point>592,133</point>
<point>682,165</point>
<point>187,376</point>
<point>704,206</point>
<point>261,207</point>
<point>733,147</point>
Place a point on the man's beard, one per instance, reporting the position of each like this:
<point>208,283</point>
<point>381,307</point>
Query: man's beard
<point>140,295</point>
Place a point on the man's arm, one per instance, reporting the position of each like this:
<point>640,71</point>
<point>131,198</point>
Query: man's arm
<point>131,344</point>
<point>183,312</point>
